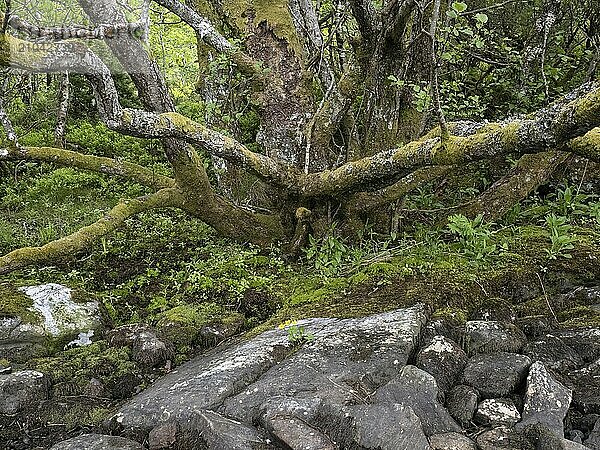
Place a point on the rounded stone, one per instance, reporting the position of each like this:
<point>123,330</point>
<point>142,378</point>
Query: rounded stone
<point>496,412</point>
<point>443,359</point>
<point>496,375</point>
<point>461,403</point>
<point>491,336</point>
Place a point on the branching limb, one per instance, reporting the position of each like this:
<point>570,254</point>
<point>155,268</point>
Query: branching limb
<point>211,37</point>
<point>174,125</point>
<point>93,163</point>
<point>369,201</point>
<point>550,128</point>
<point>529,172</point>
<point>68,246</point>
<point>75,31</point>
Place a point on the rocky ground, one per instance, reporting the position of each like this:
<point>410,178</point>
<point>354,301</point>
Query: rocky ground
<point>393,380</point>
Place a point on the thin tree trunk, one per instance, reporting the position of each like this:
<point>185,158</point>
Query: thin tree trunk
<point>63,111</point>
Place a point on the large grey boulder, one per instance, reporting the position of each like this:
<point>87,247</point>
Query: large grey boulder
<point>546,401</point>
<point>461,403</point>
<point>97,442</point>
<point>387,427</point>
<point>247,382</point>
<point>504,438</point>
<point>554,353</point>
<point>22,389</point>
<point>492,337</point>
<point>593,440</point>
<point>418,389</point>
<point>496,375</point>
<point>451,441</point>
<point>443,359</point>
<point>53,314</point>
<point>496,412</point>
<point>62,315</point>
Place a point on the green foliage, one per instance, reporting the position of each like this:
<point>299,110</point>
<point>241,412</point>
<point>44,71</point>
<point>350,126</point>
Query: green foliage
<point>560,233</point>
<point>569,201</point>
<point>176,52</point>
<point>475,237</point>
<point>327,254</point>
<point>297,334</point>
<point>491,63</point>
<point>423,198</point>
<point>419,92</point>
<point>224,275</point>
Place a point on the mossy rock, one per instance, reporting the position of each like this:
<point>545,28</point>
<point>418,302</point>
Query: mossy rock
<point>14,303</point>
<point>453,288</point>
<point>451,316</point>
<point>198,324</point>
<point>75,414</point>
<point>76,367</point>
<point>579,317</point>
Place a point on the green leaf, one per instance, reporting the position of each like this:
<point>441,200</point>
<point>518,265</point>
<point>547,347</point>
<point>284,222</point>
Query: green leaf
<point>459,7</point>
<point>481,18</point>
<point>451,14</point>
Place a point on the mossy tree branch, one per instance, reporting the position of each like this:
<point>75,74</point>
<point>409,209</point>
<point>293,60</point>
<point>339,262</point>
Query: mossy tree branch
<point>550,128</point>
<point>208,34</point>
<point>66,247</point>
<point>529,172</point>
<point>365,202</point>
<point>93,163</point>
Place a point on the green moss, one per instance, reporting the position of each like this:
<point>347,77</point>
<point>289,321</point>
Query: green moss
<point>14,303</point>
<point>274,12</point>
<point>453,316</point>
<point>79,365</point>
<point>75,415</point>
<point>183,324</point>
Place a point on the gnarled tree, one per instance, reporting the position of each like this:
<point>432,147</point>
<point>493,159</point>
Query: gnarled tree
<point>336,140</point>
